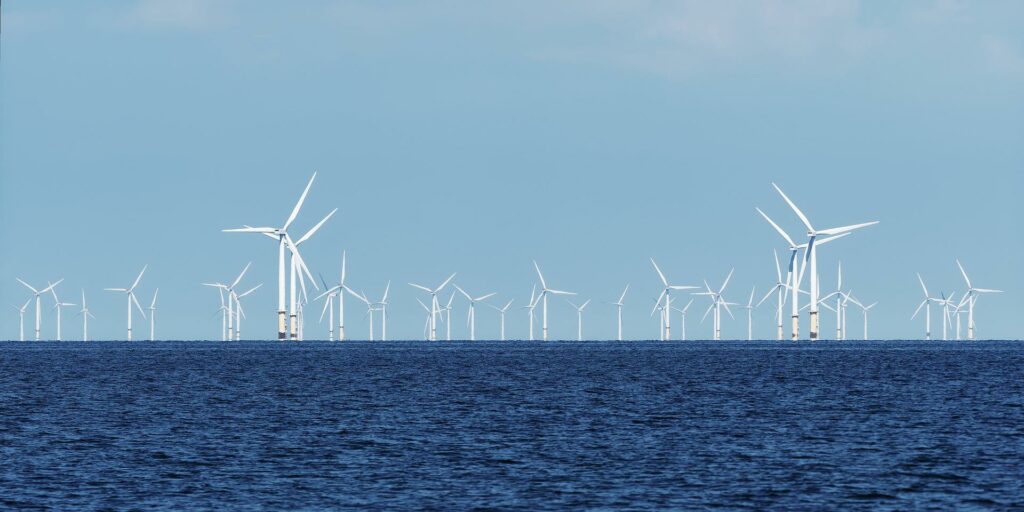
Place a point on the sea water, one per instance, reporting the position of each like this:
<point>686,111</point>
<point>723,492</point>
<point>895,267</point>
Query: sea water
<point>512,425</point>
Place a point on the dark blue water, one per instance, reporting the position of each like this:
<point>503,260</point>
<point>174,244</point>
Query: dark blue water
<point>895,425</point>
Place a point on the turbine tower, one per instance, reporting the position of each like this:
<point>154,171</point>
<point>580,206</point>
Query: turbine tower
<point>618,307</point>
<point>717,301</point>
<point>973,293</point>
<point>544,292</point>
<point>664,295</point>
<point>530,308</point>
<point>502,311</point>
<point>471,316</point>
<point>58,305</point>
<point>750,307</point>
<point>152,316</point>
<point>682,319</point>
<point>434,305</point>
<point>130,293</point>
<point>811,255</point>
<point>241,312</point>
<point>927,304</point>
<point>21,319</point>
<point>37,293</point>
<point>283,241</point>
<point>85,314</point>
<point>579,317</point>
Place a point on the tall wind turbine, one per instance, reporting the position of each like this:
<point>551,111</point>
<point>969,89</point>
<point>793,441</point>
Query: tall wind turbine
<point>382,305</point>
<point>946,303</point>
<point>37,293</point>
<point>682,319</point>
<point>502,311</point>
<point>448,317</point>
<point>330,293</point>
<point>130,293</point>
<point>665,292</point>
<point>471,316</point>
<point>973,293</point>
<point>811,255</point>
<point>338,290</point>
<point>21,319</point>
<point>750,307</point>
<point>864,312</point>
<point>284,240</point>
<point>530,308</point>
<point>544,292</point>
<point>781,289</point>
<point>717,301</point>
<point>58,305</point>
<point>794,274</point>
<point>230,289</point>
<point>241,312</point>
<point>579,317</point>
<point>927,304</point>
<point>152,316</point>
<point>618,307</point>
<point>434,305</point>
<point>85,314</point>
<point>426,324</point>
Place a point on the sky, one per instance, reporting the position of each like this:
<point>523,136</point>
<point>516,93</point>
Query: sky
<point>473,137</point>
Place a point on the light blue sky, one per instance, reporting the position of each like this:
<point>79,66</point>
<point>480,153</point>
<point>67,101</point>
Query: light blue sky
<point>472,137</point>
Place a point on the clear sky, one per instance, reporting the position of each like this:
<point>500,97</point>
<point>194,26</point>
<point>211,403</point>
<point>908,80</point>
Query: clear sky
<point>471,137</point>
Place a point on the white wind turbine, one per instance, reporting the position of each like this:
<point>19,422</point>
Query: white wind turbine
<point>927,304</point>
<point>230,289</point>
<point>448,317</point>
<point>750,307</point>
<point>21,319</point>
<point>130,293</point>
<point>241,312</point>
<point>152,316</point>
<point>284,240</point>
<point>665,292</point>
<point>864,312</point>
<point>660,309</point>
<point>972,293</point>
<point>502,312</point>
<point>717,301</point>
<point>369,309</point>
<point>682,319</point>
<point>530,308</point>
<point>838,294</point>
<point>58,305</point>
<point>946,303</point>
<point>426,324</point>
<point>330,293</point>
<point>579,317</point>
<point>382,306</point>
<point>544,292</point>
<point>471,316</point>
<point>338,289</point>
<point>794,273</point>
<point>811,255</point>
<point>958,311</point>
<point>85,314</point>
<point>618,307</point>
<point>37,293</point>
<point>781,289</point>
<point>434,305</point>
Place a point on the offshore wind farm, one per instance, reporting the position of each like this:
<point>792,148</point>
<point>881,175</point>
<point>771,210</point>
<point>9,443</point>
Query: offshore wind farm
<point>350,255</point>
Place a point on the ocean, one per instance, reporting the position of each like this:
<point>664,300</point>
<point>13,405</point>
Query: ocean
<point>512,425</point>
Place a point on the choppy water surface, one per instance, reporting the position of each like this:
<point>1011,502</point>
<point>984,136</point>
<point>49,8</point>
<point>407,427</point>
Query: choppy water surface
<point>881,425</point>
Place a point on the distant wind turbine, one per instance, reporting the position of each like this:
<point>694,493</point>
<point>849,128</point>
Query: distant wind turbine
<point>973,293</point>
<point>579,317</point>
<point>85,314</point>
<point>434,305</point>
<point>544,292</point>
<point>130,293</point>
<point>58,305</point>
<point>618,307</point>
<point>502,311</point>
<point>37,293</point>
<point>665,292</point>
<point>21,319</point>
<point>152,316</point>
<point>471,316</point>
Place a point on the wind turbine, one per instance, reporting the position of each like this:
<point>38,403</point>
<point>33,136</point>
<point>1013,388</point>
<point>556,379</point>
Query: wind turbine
<point>471,317</point>
<point>781,289</point>
<point>682,318</point>
<point>618,306</point>
<point>241,312</point>
<point>927,304</point>
<point>130,293</point>
<point>530,307</point>
<point>750,307</point>
<point>230,289</point>
<point>434,306</point>
<point>37,293</point>
<point>665,293</point>
<point>448,317</point>
<point>794,274</point>
<point>502,311</point>
<point>811,255</point>
<point>330,293</point>
<point>21,319</point>
<point>85,314</point>
<point>716,304</point>
<point>958,310</point>
<point>864,312</point>
<point>544,292</point>
<point>946,303</point>
<point>152,317</point>
<point>284,240</point>
<point>58,305</point>
<point>383,306</point>
<point>369,309</point>
<point>973,293</point>
<point>579,317</point>
<point>838,294</point>
<point>426,324</point>
<point>338,290</point>
<point>660,309</point>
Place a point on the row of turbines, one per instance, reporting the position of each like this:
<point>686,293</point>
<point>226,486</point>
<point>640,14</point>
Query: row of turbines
<point>294,279</point>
